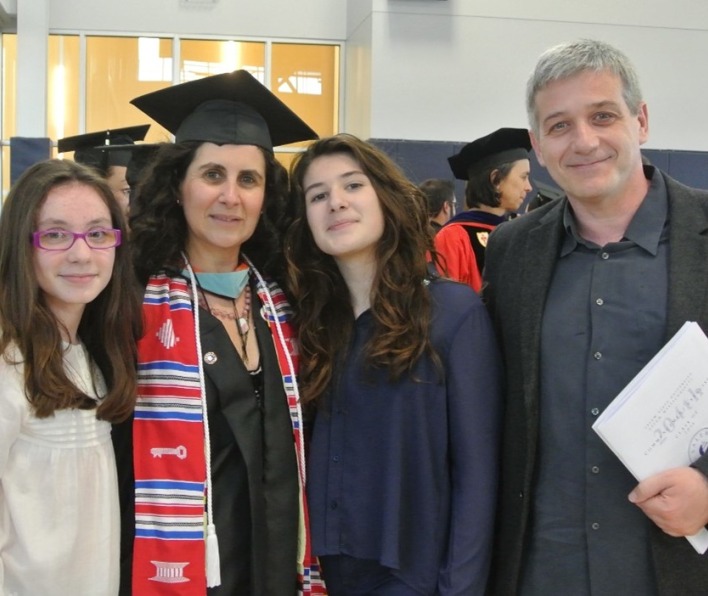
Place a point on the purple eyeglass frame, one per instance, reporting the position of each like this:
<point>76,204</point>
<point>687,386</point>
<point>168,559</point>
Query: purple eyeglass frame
<point>77,235</point>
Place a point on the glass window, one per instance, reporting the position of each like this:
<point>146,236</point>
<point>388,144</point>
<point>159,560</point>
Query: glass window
<point>304,76</point>
<point>202,58</point>
<point>119,69</point>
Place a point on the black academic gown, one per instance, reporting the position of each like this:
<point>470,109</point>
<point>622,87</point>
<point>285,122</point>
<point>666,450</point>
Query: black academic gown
<point>254,470</point>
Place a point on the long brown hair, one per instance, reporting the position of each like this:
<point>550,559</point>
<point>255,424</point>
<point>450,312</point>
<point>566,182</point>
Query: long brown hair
<point>110,324</point>
<point>400,302</point>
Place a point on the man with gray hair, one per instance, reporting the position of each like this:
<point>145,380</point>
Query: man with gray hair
<point>583,292</point>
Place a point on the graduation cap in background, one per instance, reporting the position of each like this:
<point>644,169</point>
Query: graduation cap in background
<point>544,194</point>
<point>231,108</point>
<point>502,146</point>
<point>92,148</point>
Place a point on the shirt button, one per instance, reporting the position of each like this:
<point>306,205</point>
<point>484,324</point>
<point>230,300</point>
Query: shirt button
<point>595,470</point>
<point>333,505</point>
<point>595,411</point>
<point>595,526</point>
<point>599,302</point>
<point>335,458</point>
<point>597,355</point>
<point>605,256</point>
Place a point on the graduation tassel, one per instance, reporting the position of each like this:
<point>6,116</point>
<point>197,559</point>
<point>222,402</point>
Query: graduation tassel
<point>213,569</point>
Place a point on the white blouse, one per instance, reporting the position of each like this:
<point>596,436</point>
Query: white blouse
<point>59,516</point>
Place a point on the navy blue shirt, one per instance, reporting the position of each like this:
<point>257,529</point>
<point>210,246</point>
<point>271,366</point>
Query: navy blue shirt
<point>405,472</point>
<point>604,319</point>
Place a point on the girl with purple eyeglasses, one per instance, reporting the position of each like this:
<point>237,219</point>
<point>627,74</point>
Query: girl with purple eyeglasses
<point>69,319</point>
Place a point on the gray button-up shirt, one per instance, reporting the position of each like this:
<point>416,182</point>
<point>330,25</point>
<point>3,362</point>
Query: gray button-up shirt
<point>604,319</point>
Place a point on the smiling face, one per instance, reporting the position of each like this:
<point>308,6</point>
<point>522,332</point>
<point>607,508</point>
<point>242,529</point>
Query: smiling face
<point>222,196</point>
<point>515,186</point>
<point>588,139</point>
<point>343,211</point>
<point>70,279</point>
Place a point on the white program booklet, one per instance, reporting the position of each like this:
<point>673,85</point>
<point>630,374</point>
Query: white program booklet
<point>660,420</point>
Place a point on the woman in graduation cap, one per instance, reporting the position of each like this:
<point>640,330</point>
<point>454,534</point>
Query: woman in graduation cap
<point>496,168</point>
<point>217,433</point>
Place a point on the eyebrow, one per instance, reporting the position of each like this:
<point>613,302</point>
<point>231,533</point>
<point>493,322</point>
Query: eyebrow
<point>50,221</point>
<point>252,172</point>
<point>342,176</point>
<point>214,164</point>
<point>593,106</point>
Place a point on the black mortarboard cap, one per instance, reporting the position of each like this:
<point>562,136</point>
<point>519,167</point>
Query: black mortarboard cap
<point>89,148</point>
<point>502,146</point>
<point>231,108</point>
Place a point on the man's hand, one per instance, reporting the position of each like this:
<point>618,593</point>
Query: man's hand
<point>675,500</point>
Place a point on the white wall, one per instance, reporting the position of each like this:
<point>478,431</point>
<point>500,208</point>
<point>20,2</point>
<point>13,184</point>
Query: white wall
<point>456,69</point>
<point>32,49</point>
<point>357,69</point>
<point>313,19</point>
<point>8,8</point>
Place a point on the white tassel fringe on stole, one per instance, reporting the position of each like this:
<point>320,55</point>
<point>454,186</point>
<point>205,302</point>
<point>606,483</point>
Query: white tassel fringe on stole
<point>213,562</point>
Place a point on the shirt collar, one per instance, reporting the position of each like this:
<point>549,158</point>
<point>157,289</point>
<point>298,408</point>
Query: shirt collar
<point>477,216</point>
<point>646,226</point>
